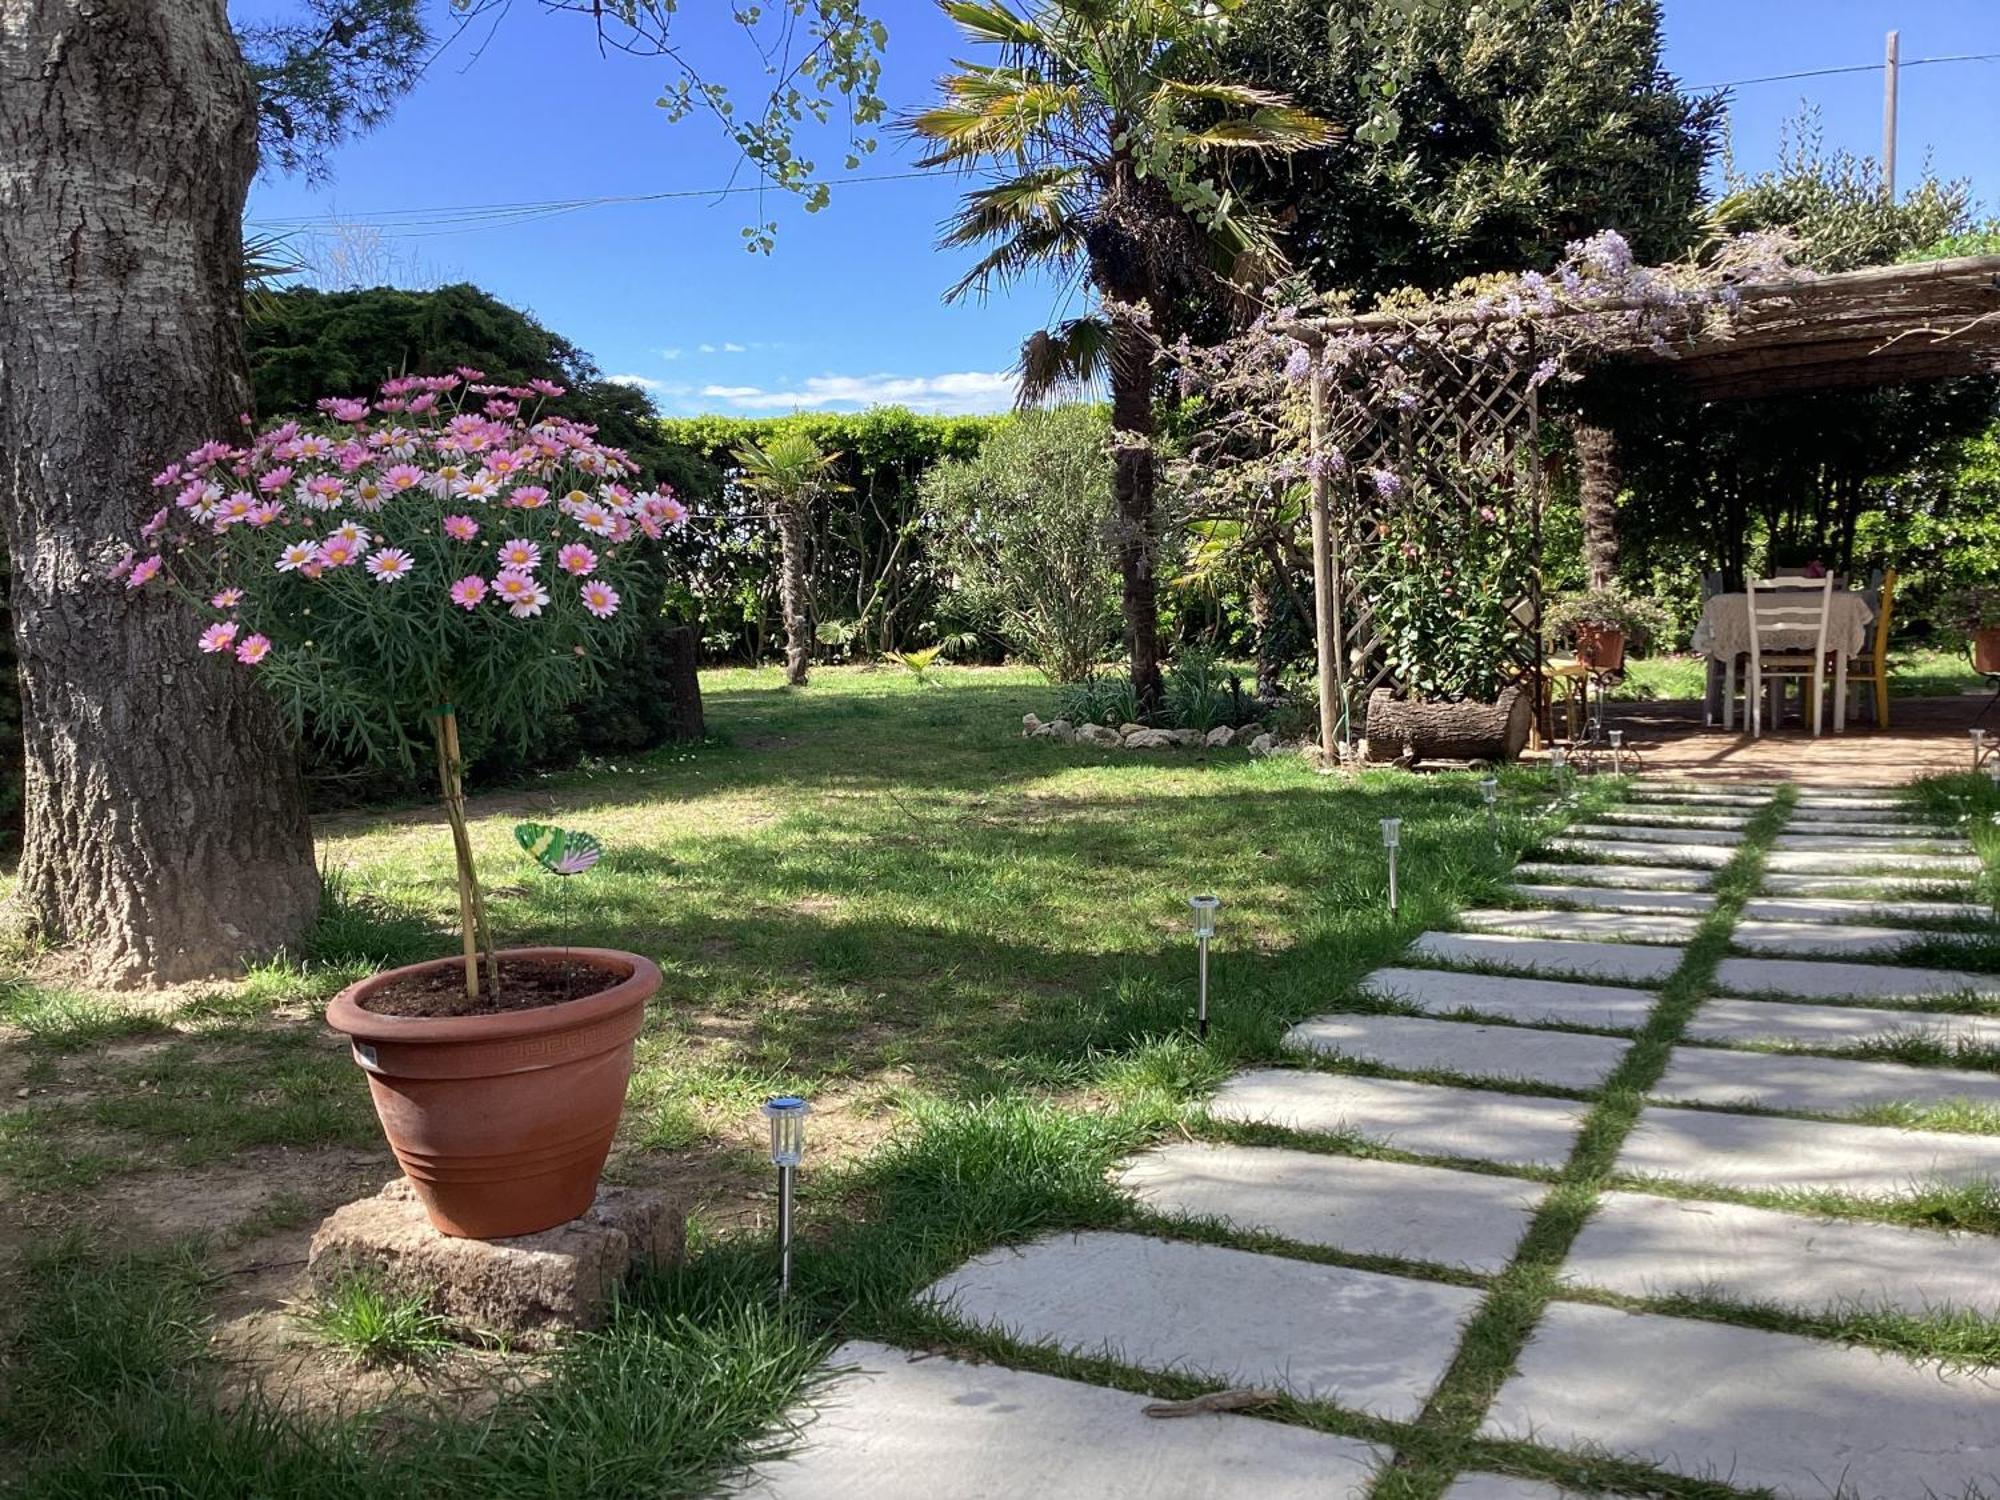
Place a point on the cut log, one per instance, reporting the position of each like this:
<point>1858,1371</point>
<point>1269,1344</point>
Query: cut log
<point>1410,730</point>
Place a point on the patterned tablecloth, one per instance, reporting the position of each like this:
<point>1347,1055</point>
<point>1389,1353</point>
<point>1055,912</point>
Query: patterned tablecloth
<point>1724,629</point>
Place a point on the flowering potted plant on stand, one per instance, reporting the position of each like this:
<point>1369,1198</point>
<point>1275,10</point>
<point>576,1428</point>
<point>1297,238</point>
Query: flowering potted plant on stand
<point>449,557</point>
<point>1600,622</point>
<point>1976,611</point>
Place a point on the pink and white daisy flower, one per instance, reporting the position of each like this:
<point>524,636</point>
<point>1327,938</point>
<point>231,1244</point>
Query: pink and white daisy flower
<point>240,506</point>
<point>221,636</point>
<point>577,560</point>
<point>528,607</point>
<point>515,587</point>
<point>298,555</point>
<point>596,520</point>
<point>520,554</point>
<point>144,572</point>
<point>312,445</point>
<point>469,591</point>
<point>253,650</point>
<point>337,552</point>
<point>226,599</point>
<point>402,477</point>
<point>353,535</point>
<point>369,495</point>
<point>155,526</point>
<point>266,513</point>
<point>273,480</point>
<point>480,487</point>
<point>323,491</point>
<point>461,528</point>
<point>527,497</point>
<point>390,564</point>
<point>601,599</point>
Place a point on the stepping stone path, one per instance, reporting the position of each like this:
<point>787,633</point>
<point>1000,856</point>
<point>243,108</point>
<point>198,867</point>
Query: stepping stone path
<point>1395,1192</point>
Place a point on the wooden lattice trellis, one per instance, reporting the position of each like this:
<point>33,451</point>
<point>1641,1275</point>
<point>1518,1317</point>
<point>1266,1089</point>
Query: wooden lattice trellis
<point>1455,450</point>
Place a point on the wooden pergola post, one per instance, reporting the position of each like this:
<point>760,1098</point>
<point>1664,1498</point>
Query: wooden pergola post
<point>1330,648</point>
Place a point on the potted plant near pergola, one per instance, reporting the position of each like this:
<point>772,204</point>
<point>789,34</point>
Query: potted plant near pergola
<point>1599,623</point>
<point>1976,611</point>
<point>446,560</point>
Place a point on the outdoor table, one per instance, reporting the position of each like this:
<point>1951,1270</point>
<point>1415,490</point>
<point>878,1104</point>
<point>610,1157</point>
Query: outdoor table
<point>1723,634</point>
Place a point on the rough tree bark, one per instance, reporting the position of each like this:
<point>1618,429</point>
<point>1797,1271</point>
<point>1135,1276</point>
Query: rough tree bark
<point>1412,730</point>
<point>1598,480</point>
<point>792,591</point>
<point>1133,427</point>
<point>166,827</point>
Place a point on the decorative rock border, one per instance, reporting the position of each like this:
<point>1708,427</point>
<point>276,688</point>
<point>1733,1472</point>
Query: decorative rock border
<point>1251,737</point>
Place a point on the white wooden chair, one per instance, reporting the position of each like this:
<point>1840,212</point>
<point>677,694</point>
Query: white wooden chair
<point>1791,605</point>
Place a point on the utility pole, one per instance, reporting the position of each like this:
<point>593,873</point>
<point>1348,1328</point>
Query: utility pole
<point>1891,66</point>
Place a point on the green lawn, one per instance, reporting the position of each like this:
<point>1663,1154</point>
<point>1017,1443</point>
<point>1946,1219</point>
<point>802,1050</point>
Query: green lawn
<point>968,949</point>
<point>1912,674</point>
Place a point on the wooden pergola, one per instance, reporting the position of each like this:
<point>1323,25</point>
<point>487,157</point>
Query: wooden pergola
<point>1878,326</point>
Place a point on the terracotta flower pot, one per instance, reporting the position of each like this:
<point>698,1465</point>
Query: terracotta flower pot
<point>1986,650</point>
<point>502,1122</point>
<point>1601,647</point>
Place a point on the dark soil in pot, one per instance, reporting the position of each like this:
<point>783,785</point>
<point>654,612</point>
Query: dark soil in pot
<point>525,984</point>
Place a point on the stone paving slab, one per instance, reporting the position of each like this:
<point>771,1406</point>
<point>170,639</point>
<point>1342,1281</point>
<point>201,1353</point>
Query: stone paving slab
<point>1611,898</point>
<point>1675,815</point>
<point>1528,1000</point>
<point>1634,877</point>
<point>1848,860</point>
<point>1864,886</point>
<point>1619,851</point>
<point>1836,909</point>
<point>1821,1085</point>
<point>1463,1219</point>
<point>1692,787</point>
<point>1858,802</point>
<point>1548,955</point>
<point>1812,979</point>
<point>1921,832</point>
<point>1767,1151</point>
<point>1719,800</point>
<point>1504,1487</point>
<point>1425,1119</point>
<point>1366,1341</point>
<point>1848,842</point>
<point>1834,1025</point>
<point>904,1427</point>
<point>1765,935</point>
<point>1657,833</point>
<point>1414,1044</point>
<point>1642,1246</point>
<point>1799,1416</point>
<point>1626,927</point>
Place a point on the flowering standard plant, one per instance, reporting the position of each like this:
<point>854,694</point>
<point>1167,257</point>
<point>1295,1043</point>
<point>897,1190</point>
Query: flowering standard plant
<point>447,554</point>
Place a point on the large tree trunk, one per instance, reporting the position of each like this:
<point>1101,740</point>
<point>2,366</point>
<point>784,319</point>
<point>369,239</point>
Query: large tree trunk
<point>792,591</point>
<point>1598,480</point>
<point>166,826</point>
<point>1136,545</point>
<point>1412,730</point>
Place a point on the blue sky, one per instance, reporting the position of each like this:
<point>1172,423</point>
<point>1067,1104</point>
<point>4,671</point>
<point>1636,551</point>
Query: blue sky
<point>848,311</point>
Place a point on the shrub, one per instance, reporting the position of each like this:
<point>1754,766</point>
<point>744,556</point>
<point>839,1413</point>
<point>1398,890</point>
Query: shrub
<point>1641,620</point>
<point>1098,700</point>
<point>1022,526</point>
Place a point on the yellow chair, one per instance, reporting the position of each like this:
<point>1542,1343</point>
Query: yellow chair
<point>1872,669</point>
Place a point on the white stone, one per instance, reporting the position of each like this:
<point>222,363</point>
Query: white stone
<point>1360,1339</point>
<point>1547,955</point>
<point>1611,898</point>
<point>1644,877</point>
<point>1781,884</point>
<point>1766,1151</point>
<point>1413,1044</point>
<point>1765,1410</point>
<point>1848,860</point>
<point>1504,1487</point>
<point>1264,744</point>
<point>1834,909</point>
<point>1530,1000</point>
<point>1622,852</point>
<point>1621,927</point>
<point>1218,737</point>
<point>898,1426</point>
<point>1657,833</point>
<point>1642,1246</point>
<point>1820,1085</point>
<point>1464,1219</point>
<point>1151,739</point>
<point>1809,979</point>
<point>1676,817</point>
<point>1763,935</point>
<point>1835,1025</point>
<point>1424,1119</point>
<point>1101,735</point>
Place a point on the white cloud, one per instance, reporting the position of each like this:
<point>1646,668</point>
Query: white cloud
<point>957,392</point>
<point>674,353</point>
<point>645,383</point>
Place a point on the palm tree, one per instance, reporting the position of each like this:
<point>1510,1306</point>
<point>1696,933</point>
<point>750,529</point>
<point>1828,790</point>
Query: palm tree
<point>1106,132</point>
<point>790,471</point>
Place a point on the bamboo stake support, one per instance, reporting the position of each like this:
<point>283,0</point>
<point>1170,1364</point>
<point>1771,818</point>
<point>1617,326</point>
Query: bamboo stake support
<point>1326,604</point>
<point>471,903</point>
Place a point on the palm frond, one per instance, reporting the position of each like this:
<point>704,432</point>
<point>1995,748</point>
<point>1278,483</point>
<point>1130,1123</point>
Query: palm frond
<point>1276,128</point>
<point>1071,361</point>
<point>989,21</point>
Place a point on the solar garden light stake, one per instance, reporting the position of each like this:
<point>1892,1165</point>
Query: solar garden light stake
<point>1559,767</point>
<point>1617,751</point>
<point>1978,747</point>
<point>1205,908</point>
<point>1489,793</point>
<point>787,1115</point>
<point>1392,838</point>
